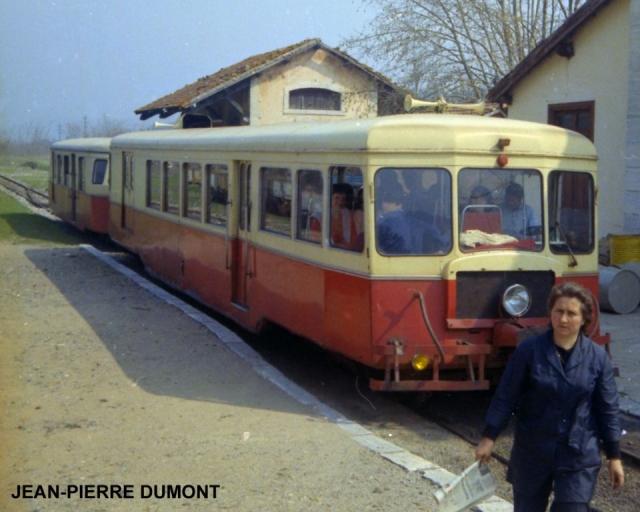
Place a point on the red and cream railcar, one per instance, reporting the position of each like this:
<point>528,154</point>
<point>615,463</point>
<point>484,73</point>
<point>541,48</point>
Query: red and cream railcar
<point>79,182</point>
<point>390,241</point>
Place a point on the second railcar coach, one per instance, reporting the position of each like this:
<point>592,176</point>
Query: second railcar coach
<point>79,182</point>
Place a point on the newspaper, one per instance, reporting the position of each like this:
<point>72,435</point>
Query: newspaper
<point>472,486</point>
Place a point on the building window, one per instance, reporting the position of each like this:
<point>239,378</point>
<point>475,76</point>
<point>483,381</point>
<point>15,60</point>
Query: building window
<point>578,117</point>
<point>314,98</point>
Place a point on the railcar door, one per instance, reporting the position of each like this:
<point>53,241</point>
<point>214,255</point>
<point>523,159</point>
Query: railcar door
<point>73,189</point>
<point>242,212</point>
<point>126,220</point>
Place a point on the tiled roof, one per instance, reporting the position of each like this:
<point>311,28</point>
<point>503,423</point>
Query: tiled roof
<point>226,77</point>
<point>564,33</point>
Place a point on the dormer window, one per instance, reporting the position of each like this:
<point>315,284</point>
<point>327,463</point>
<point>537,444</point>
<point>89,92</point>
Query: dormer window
<point>315,99</point>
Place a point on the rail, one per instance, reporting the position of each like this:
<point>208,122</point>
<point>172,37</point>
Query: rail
<point>35,197</point>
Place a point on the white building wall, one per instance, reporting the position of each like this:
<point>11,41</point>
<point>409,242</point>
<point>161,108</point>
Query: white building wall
<point>597,72</point>
<point>631,222</point>
<point>317,68</point>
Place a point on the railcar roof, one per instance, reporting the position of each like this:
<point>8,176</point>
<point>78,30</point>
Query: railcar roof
<point>416,132</point>
<point>87,144</point>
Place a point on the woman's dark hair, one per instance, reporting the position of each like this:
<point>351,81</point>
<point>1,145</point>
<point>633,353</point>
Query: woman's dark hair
<point>574,291</point>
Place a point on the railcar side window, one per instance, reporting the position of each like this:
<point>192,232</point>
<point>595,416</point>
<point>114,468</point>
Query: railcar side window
<point>192,186</point>
<point>346,216</point>
<point>276,200</point>
<point>59,170</point>
<point>500,208</point>
<point>218,193</point>
<point>81,165</point>
<point>67,166</point>
<point>309,210</point>
<point>413,211</point>
<point>99,171</point>
<point>171,182</point>
<point>127,170</point>
<point>571,212</point>
<point>154,184</point>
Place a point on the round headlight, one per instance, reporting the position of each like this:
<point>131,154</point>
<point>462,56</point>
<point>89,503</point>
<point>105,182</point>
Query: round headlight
<point>516,300</point>
<point>420,362</point>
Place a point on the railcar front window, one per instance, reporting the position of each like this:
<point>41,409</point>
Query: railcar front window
<point>413,211</point>
<point>218,191</point>
<point>276,200</point>
<point>571,212</point>
<point>500,208</point>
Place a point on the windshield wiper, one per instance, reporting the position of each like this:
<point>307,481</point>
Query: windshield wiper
<point>574,261</point>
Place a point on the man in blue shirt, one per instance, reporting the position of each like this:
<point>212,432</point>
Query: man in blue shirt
<point>518,218</point>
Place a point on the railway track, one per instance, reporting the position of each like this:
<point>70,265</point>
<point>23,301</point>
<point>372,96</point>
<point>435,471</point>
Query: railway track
<point>459,415</point>
<point>467,412</point>
<point>33,196</point>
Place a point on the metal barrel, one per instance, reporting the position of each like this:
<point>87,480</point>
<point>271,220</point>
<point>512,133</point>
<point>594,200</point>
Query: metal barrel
<point>619,290</point>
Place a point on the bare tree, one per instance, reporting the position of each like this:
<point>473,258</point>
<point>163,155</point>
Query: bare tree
<point>454,48</point>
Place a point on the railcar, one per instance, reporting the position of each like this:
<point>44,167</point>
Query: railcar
<point>369,237</point>
<point>79,182</point>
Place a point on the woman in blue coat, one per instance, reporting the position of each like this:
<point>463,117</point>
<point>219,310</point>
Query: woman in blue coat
<point>561,388</point>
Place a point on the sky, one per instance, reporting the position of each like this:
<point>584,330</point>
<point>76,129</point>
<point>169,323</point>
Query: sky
<point>64,60</point>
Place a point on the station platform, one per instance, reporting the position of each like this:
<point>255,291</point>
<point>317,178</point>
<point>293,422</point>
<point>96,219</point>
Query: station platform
<point>95,391</point>
<point>116,395</point>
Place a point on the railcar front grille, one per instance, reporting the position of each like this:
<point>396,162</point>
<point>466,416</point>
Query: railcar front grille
<point>478,294</point>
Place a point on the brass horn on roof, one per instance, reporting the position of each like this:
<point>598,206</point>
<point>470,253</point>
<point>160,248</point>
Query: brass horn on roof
<point>441,105</point>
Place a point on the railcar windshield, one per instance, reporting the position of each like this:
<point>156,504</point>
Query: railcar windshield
<point>500,208</point>
<point>413,211</point>
<point>571,212</point>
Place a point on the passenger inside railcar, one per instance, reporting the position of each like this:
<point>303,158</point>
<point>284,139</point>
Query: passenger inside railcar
<point>407,203</point>
<point>402,233</point>
<point>480,213</point>
<point>310,206</point>
<point>480,196</point>
<point>344,231</point>
<point>518,218</point>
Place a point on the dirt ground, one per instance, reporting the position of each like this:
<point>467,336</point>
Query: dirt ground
<point>86,403</point>
<point>102,384</point>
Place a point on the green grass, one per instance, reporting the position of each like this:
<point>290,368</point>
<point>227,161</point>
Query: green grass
<point>30,170</point>
<point>19,225</point>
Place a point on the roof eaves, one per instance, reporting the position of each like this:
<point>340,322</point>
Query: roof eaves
<point>304,46</point>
